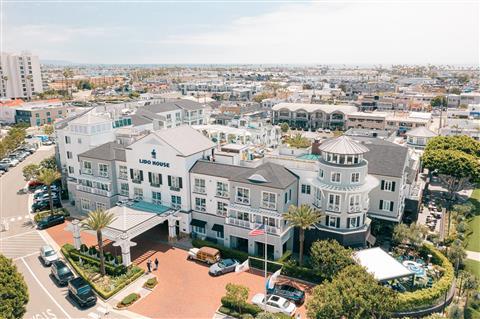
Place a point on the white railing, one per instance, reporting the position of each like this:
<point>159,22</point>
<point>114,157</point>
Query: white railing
<point>223,194</point>
<point>270,229</point>
<point>239,222</point>
<point>355,208</point>
<point>317,203</point>
<point>84,188</point>
<point>198,189</point>
<point>102,192</point>
<point>240,200</point>
<point>199,208</point>
<point>333,208</point>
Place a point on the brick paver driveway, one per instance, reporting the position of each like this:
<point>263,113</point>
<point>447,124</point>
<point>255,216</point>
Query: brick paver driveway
<point>185,288</point>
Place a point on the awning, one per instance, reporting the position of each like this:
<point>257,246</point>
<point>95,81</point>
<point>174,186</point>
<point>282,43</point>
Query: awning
<point>198,223</point>
<point>217,227</point>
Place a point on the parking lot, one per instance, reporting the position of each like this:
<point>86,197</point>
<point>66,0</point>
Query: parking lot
<point>185,288</point>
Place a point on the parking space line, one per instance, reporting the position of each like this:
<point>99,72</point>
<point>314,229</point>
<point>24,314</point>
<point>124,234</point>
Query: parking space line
<point>28,255</point>
<point>45,289</point>
<point>28,232</point>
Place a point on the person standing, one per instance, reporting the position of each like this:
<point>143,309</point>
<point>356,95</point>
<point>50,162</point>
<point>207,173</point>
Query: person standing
<point>156,263</point>
<point>149,265</point>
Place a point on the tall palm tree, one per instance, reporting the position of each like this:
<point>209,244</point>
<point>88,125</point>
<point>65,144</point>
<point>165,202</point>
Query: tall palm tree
<point>47,177</point>
<point>302,217</point>
<point>98,220</point>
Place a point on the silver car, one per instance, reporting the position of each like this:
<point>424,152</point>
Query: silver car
<point>48,255</point>
<point>223,266</point>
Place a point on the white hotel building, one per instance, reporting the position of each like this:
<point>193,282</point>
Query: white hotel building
<point>177,175</point>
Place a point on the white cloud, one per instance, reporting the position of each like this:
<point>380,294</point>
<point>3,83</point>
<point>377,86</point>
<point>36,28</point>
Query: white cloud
<point>346,33</point>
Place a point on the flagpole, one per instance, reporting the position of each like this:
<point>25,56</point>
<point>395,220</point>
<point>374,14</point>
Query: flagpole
<point>266,248</point>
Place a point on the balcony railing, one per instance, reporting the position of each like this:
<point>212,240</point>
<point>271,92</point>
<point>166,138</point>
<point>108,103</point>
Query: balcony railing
<point>355,208</point>
<point>199,208</point>
<point>223,194</point>
<point>270,229</point>
<point>200,190</point>
<point>333,208</point>
<point>84,188</point>
<point>175,188</point>
<point>239,222</point>
<point>137,181</point>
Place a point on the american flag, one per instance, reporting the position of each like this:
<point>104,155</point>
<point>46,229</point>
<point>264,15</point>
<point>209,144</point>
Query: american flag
<point>260,230</point>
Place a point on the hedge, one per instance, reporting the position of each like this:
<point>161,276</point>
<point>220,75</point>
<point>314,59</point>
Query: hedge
<point>425,298</point>
<point>129,299</point>
<point>246,308</point>
<point>137,272</point>
<point>288,269</point>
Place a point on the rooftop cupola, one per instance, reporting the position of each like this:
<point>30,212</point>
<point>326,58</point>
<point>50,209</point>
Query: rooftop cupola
<point>342,150</point>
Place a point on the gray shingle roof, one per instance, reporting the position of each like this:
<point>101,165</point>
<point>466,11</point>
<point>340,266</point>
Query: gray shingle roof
<point>276,176</point>
<point>172,106</point>
<point>108,152</point>
<point>384,158</point>
<point>343,145</point>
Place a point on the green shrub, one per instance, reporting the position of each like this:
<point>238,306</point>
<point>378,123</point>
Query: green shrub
<point>131,298</point>
<point>110,269</point>
<point>118,260</point>
<point>92,251</point>
<point>109,257</point>
<point>243,309</point>
<point>291,269</point>
<point>83,248</point>
<point>424,298</point>
<point>285,257</point>
<point>151,283</point>
<point>41,215</point>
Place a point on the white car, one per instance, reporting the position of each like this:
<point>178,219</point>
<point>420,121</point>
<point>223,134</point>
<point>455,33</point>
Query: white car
<point>275,304</point>
<point>48,255</point>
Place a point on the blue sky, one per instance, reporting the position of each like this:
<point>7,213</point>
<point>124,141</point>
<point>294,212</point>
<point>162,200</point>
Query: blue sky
<point>350,32</point>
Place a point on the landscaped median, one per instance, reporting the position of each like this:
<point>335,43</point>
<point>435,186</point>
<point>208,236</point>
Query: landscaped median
<point>41,215</point>
<point>87,266</point>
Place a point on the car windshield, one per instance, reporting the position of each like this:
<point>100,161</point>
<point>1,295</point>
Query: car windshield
<point>286,304</point>
<point>83,290</point>
<point>49,253</point>
<point>64,271</point>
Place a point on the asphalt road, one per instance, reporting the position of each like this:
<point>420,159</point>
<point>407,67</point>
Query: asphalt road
<point>22,242</point>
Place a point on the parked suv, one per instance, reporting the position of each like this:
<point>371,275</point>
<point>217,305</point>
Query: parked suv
<point>48,255</point>
<point>80,291</point>
<point>45,204</point>
<point>50,221</point>
<point>61,272</point>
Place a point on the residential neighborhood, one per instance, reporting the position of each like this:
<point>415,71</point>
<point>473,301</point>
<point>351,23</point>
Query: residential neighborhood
<point>148,186</point>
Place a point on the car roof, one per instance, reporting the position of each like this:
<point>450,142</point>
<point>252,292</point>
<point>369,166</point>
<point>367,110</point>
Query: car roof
<point>47,248</point>
<point>59,263</point>
<point>78,282</point>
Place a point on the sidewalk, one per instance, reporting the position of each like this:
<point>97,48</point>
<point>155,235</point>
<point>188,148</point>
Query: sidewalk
<point>473,255</point>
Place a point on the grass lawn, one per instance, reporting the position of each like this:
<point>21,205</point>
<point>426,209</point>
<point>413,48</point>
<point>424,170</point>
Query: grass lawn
<point>473,266</point>
<point>474,223</point>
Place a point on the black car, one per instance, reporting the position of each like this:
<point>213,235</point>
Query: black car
<point>45,204</point>
<point>80,291</point>
<point>50,221</point>
<point>288,292</point>
<point>61,272</point>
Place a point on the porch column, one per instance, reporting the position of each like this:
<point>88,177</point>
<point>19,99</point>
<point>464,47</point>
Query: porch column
<point>172,234</point>
<point>74,228</point>
<point>124,243</point>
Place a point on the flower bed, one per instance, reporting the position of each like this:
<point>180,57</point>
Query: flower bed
<point>117,278</point>
<point>150,283</point>
<point>128,300</point>
<point>424,298</point>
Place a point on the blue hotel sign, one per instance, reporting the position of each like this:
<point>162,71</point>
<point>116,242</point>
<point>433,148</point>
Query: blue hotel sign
<point>154,161</point>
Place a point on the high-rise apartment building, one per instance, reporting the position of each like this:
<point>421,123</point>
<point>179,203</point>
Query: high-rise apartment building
<point>20,75</point>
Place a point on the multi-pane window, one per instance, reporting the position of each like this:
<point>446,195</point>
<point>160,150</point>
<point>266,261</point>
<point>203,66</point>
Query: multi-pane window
<point>138,193</point>
<point>122,172</point>
<point>269,200</point>
<point>100,206</point>
<point>387,186</point>
<point>222,189</point>
<point>243,195</point>
<point>198,229</point>
<point>67,140</point>
<point>333,201</point>
<point>321,173</point>
<point>243,216</point>
<point>305,189</point>
<point>124,191</point>
<point>200,204</point>
<point>71,170</point>
<point>136,175</point>
<point>175,183</point>
<point>355,200</point>
<point>103,170</point>
<point>87,168</point>
<point>335,177</point>
<point>386,205</point>
<point>199,186</point>
<point>157,198</point>
<point>69,154</point>
<point>177,116</point>
<point>85,203</point>
<point>269,221</point>
<point>333,221</point>
<point>222,208</point>
<point>355,177</point>
<point>155,179</point>
<point>176,202</point>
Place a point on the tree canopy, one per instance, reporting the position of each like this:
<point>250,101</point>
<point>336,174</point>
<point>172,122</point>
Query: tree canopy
<point>412,235</point>
<point>328,257</point>
<point>13,290</point>
<point>461,143</point>
<point>354,294</point>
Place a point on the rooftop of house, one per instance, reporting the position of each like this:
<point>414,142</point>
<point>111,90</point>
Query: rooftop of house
<point>108,152</point>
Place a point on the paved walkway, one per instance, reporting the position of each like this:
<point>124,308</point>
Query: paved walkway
<point>473,255</point>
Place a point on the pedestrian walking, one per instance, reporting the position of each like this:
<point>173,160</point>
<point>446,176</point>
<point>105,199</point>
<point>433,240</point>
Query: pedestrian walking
<point>156,263</point>
<point>149,265</point>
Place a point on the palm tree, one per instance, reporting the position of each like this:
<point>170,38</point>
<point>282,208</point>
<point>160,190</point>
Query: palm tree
<point>98,220</point>
<point>47,177</point>
<point>302,217</point>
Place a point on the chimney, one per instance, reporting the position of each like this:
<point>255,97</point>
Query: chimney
<point>316,147</point>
